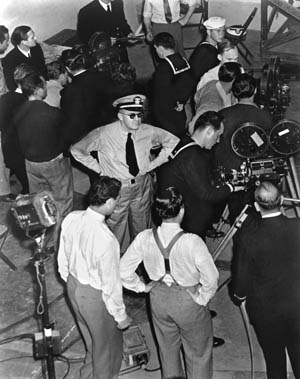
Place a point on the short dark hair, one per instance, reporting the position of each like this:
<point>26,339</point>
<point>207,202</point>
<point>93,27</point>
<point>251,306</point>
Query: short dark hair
<point>21,71</point>
<point>54,69</point>
<point>20,34</point>
<point>244,86</point>
<point>267,196</point>
<point>31,83</point>
<point>164,39</point>
<point>229,71</point>
<point>209,118</point>
<point>3,32</point>
<point>226,45</point>
<point>168,203</point>
<point>102,189</point>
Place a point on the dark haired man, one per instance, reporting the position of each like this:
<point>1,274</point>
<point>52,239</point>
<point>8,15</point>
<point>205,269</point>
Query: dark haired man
<point>88,261</point>
<point>266,273</point>
<point>123,149</point>
<point>172,86</point>
<point>9,105</point>
<point>245,111</point>
<point>40,129</point>
<point>182,272</point>
<point>189,169</point>
<point>216,94</point>
<point>26,50</point>
<point>57,79</point>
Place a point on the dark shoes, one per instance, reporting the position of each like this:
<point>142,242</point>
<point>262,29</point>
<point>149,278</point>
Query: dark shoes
<point>8,198</point>
<point>213,314</point>
<point>218,342</point>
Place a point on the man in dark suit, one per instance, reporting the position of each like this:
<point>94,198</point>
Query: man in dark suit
<point>102,16</point>
<point>189,169</point>
<point>26,50</point>
<point>172,86</point>
<point>266,273</point>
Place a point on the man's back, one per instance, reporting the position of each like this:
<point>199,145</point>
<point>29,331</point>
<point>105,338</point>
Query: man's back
<point>269,265</point>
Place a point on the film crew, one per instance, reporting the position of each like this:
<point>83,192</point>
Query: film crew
<point>57,79</point>
<point>266,273</point>
<point>205,55</point>
<point>172,86</point>
<point>26,50</point>
<point>5,192</point>
<point>227,52</point>
<point>244,89</point>
<point>216,94</point>
<point>164,16</point>
<point>9,104</point>
<point>86,101</point>
<point>123,149</point>
<point>88,261</point>
<point>182,272</point>
<point>40,130</point>
<point>104,16</point>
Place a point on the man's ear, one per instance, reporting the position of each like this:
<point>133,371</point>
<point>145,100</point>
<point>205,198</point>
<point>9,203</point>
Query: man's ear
<point>219,57</point>
<point>119,115</point>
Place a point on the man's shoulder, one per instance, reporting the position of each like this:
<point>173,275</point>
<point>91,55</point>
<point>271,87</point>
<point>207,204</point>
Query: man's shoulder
<point>11,56</point>
<point>89,7</point>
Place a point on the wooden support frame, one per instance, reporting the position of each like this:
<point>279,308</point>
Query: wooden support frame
<point>280,40</point>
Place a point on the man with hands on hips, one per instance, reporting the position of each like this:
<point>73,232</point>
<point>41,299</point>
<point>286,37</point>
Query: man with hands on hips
<point>88,261</point>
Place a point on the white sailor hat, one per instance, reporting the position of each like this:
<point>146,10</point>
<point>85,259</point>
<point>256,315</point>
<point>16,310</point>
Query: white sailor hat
<point>214,22</point>
<point>130,103</point>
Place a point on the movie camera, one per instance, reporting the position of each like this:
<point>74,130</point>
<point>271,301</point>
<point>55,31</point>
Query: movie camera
<point>273,93</point>
<point>266,155</point>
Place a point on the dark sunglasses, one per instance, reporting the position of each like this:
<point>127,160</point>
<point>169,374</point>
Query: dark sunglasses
<point>133,115</point>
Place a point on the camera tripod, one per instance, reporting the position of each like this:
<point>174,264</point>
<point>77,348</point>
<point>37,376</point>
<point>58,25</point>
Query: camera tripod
<point>47,342</point>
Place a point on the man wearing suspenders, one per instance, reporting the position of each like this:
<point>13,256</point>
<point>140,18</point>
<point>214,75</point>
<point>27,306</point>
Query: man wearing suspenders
<point>183,281</point>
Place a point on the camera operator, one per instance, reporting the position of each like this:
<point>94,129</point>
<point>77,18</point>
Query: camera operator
<point>244,89</point>
<point>266,273</point>
<point>189,169</point>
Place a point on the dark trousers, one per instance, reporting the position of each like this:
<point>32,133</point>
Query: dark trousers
<point>103,341</point>
<point>275,338</point>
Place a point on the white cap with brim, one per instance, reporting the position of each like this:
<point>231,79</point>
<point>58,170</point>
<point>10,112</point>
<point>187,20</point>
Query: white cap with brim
<point>130,103</point>
<point>215,22</point>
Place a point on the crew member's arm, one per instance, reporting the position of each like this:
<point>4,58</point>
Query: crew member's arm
<point>62,257</point>
<point>109,273</point>
<point>192,5</point>
<point>240,269</point>
<point>129,263</point>
<point>81,151</point>
<point>123,24</point>
<point>209,274</point>
<point>167,141</point>
<point>147,15</point>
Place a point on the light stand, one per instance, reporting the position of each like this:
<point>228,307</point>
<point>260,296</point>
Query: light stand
<point>47,343</point>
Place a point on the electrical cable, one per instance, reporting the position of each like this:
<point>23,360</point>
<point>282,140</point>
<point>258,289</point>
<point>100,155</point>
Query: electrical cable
<point>16,338</point>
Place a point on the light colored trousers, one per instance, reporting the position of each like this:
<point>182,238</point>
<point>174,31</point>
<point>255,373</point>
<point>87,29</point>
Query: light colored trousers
<point>180,322</point>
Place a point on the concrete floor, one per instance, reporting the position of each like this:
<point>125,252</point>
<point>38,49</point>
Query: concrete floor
<point>19,294</point>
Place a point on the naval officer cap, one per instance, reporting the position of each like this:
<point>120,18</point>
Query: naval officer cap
<point>214,22</point>
<point>130,103</point>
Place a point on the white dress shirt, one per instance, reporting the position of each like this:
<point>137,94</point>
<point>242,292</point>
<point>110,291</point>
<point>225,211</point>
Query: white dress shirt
<point>154,9</point>
<point>110,141</point>
<point>190,261</point>
<point>90,252</point>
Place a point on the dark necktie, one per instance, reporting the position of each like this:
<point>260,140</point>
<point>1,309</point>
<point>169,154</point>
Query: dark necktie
<point>108,8</point>
<point>167,10</point>
<point>131,157</point>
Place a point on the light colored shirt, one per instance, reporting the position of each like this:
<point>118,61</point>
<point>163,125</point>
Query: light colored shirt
<point>3,87</point>
<point>104,5</point>
<point>90,252</point>
<point>110,141</point>
<point>190,261</point>
<point>154,9</point>
<point>210,75</point>
<point>53,93</point>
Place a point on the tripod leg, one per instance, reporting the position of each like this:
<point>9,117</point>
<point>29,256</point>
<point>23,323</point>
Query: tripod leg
<point>295,175</point>
<point>292,192</point>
